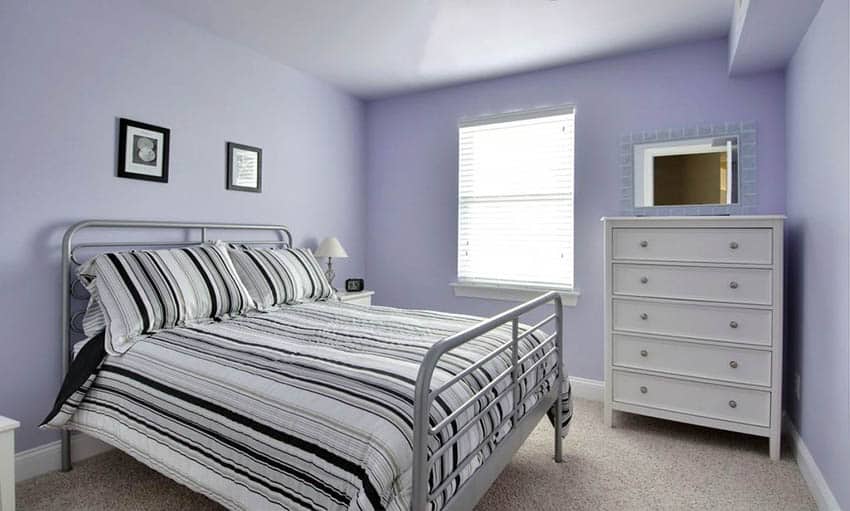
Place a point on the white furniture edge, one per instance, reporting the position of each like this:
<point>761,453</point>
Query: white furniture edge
<point>511,292</point>
<point>7,467</point>
<point>7,424</point>
<point>705,219</point>
<point>818,486</point>
<point>47,458</point>
<point>349,294</point>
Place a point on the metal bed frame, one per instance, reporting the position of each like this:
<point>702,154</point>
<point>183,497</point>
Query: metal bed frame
<point>522,424</point>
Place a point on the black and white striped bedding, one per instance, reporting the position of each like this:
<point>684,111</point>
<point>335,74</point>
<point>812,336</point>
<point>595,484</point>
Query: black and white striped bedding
<point>136,293</point>
<point>308,407</point>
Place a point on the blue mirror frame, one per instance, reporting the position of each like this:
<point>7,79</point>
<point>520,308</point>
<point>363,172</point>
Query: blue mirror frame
<point>747,169</point>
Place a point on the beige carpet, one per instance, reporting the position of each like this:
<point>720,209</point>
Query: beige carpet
<point>641,464</point>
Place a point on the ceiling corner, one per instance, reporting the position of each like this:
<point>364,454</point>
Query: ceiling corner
<point>765,33</point>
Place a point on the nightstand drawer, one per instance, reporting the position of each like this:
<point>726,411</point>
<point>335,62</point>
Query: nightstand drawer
<point>731,324</point>
<point>751,246</point>
<point>722,402</point>
<point>692,359</point>
<point>735,285</point>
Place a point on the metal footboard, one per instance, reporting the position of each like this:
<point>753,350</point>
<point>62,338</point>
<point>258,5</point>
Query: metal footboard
<point>521,426</point>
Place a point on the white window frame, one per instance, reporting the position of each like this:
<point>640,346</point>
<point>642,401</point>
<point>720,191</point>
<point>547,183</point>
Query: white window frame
<point>517,292</point>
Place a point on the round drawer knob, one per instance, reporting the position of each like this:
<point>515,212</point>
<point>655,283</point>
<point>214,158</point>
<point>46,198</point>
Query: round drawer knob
<point>733,324</point>
<point>644,280</point>
<point>733,404</point>
<point>733,245</point>
<point>733,285</point>
<point>644,243</point>
<point>644,353</point>
<point>644,315</point>
<point>643,390</point>
<point>733,364</point>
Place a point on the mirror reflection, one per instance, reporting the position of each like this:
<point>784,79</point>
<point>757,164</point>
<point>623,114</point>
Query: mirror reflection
<point>702,171</point>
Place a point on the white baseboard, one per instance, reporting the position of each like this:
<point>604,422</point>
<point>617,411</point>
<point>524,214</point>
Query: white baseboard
<point>584,388</point>
<point>48,457</point>
<point>811,473</point>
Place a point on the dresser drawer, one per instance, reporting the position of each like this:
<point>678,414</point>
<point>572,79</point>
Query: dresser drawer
<point>751,246</point>
<point>692,359</point>
<point>740,285</point>
<point>732,324</point>
<point>705,399</point>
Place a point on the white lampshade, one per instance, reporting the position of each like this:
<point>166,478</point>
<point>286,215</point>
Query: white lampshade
<point>331,247</point>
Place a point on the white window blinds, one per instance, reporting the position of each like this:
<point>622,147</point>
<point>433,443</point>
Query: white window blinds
<point>515,199</point>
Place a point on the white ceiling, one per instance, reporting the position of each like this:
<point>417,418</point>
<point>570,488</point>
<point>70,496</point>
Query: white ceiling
<point>375,48</point>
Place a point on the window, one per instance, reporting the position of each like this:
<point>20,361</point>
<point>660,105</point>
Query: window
<point>515,201</point>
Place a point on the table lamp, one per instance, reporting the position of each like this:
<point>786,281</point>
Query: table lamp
<point>330,248</point>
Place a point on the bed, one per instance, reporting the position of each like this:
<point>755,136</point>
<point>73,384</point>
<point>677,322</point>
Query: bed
<point>319,405</point>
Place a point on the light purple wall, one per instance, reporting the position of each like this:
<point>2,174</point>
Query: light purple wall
<point>818,243</point>
<point>67,70</point>
<point>412,166</point>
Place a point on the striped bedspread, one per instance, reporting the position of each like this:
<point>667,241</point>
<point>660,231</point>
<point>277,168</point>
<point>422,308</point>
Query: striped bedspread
<point>309,407</point>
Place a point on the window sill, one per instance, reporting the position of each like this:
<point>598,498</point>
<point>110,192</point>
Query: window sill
<point>511,293</point>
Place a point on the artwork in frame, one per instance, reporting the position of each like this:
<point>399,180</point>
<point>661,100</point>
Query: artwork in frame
<point>244,168</point>
<point>142,151</point>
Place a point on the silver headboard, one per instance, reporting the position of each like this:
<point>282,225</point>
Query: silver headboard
<point>192,233</point>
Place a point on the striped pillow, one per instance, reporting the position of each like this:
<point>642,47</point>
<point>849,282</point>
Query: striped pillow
<point>141,292</point>
<point>276,277</point>
<point>313,285</point>
<point>270,282</point>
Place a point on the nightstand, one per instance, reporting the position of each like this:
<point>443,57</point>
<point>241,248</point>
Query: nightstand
<point>7,463</point>
<point>358,297</point>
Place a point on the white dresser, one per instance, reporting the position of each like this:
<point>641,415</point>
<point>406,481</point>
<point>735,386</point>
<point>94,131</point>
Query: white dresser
<point>693,321</point>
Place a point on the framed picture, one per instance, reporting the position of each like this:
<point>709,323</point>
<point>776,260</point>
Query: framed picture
<point>244,168</point>
<point>142,151</point>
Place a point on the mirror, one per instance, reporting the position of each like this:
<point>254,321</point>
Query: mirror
<point>687,172</point>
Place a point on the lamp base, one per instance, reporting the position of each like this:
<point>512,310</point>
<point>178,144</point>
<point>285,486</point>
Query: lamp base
<point>330,274</point>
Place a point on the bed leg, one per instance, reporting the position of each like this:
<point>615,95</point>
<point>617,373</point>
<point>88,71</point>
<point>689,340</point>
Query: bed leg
<point>559,405</point>
<point>66,450</point>
<point>559,446</point>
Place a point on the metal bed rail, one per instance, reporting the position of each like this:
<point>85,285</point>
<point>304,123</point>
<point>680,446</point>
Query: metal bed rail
<point>423,460</point>
<point>70,289</point>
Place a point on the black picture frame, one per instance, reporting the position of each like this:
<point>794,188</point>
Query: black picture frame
<point>148,163</point>
<point>231,148</point>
